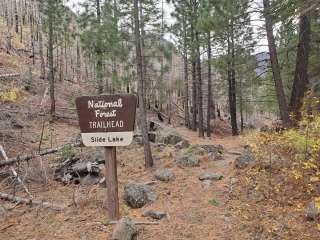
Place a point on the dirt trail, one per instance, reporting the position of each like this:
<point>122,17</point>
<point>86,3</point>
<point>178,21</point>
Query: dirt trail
<point>194,211</point>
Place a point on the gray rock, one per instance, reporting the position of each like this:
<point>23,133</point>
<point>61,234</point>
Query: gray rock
<point>103,182</point>
<point>3,211</point>
<point>125,229</point>
<point>244,159</point>
<point>213,148</point>
<point>182,144</point>
<point>138,139</point>
<point>164,175</point>
<point>214,156</point>
<point>90,180</point>
<point>169,136</point>
<point>312,212</point>
<point>206,183</point>
<point>136,195</point>
<point>210,176</point>
<point>187,160</point>
<point>154,214</point>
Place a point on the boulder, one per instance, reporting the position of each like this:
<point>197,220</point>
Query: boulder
<point>136,195</point>
<point>154,214</point>
<point>187,160</point>
<point>210,176</point>
<point>244,159</point>
<point>169,136</point>
<point>164,175</point>
<point>125,229</point>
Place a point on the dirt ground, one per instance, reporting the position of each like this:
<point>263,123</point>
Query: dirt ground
<point>228,209</point>
<point>185,200</point>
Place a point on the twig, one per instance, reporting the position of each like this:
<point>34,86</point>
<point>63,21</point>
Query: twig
<point>136,223</point>
<point>15,174</point>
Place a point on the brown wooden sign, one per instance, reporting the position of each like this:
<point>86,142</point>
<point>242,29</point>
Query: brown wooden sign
<point>107,120</point>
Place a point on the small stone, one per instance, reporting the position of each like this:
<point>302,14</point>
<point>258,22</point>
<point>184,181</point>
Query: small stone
<point>125,229</point>
<point>210,176</point>
<point>187,160</point>
<point>182,144</point>
<point>154,214</point>
<point>103,182</point>
<point>312,212</point>
<point>206,183</point>
<point>136,195</point>
<point>164,175</point>
<point>243,161</point>
<point>214,156</point>
<point>90,180</point>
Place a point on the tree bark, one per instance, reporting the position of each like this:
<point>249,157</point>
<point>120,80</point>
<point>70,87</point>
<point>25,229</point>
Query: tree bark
<point>99,54</point>
<point>42,63</point>
<point>282,101</point>
<point>186,76</point>
<point>209,103</point>
<point>142,110</point>
<point>232,80</point>
<point>51,68</point>
<point>199,85</point>
<point>16,17</point>
<point>194,82</point>
<point>301,79</point>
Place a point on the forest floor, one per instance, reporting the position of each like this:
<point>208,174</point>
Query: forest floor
<point>220,211</point>
<point>185,200</point>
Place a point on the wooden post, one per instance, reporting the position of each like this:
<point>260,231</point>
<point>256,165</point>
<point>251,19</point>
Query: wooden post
<point>112,182</point>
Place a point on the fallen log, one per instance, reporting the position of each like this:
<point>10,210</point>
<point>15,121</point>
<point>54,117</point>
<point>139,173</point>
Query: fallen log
<point>9,75</point>
<point>31,156</point>
<point>15,199</point>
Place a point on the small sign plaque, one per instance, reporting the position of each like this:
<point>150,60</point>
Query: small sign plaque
<point>107,120</point>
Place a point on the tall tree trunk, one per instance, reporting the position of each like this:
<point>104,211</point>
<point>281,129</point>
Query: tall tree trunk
<point>209,103</point>
<point>78,62</point>
<point>99,65</point>
<point>282,101</point>
<point>194,82</point>
<point>16,17</point>
<point>301,79</point>
<point>241,107</point>
<point>199,85</point>
<point>32,35</point>
<point>232,80</point>
<point>51,67</point>
<point>42,63</point>
<point>186,76</point>
<point>144,62</point>
<point>142,110</point>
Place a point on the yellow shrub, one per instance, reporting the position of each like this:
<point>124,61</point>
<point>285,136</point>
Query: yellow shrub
<point>9,96</point>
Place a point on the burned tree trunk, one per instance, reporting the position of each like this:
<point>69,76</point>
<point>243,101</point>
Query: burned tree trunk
<point>301,80</point>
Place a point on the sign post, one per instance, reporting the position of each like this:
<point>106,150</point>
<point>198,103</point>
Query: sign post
<point>108,121</point>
